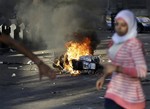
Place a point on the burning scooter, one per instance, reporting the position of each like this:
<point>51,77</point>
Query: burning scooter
<point>79,58</point>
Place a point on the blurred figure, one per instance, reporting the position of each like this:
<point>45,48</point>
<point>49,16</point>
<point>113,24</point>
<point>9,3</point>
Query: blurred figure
<point>127,68</point>
<point>6,30</point>
<point>112,21</point>
<point>44,70</point>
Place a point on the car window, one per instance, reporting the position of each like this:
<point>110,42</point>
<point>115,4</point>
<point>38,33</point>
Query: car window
<point>143,19</point>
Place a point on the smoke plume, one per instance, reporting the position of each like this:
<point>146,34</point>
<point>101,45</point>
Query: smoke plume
<point>55,21</point>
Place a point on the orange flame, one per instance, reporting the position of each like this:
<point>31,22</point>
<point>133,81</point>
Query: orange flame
<point>74,51</point>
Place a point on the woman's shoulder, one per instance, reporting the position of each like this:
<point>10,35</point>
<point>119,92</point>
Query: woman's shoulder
<point>134,42</point>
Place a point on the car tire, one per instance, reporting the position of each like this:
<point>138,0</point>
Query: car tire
<point>139,29</point>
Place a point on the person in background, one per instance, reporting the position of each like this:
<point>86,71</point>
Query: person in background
<point>44,70</point>
<point>127,68</point>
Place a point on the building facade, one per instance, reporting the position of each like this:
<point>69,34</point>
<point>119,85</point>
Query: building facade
<point>140,7</point>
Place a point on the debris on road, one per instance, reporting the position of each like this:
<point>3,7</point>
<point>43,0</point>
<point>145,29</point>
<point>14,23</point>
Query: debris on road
<point>13,68</point>
<point>30,62</point>
<point>13,75</point>
<point>55,92</point>
<point>101,97</point>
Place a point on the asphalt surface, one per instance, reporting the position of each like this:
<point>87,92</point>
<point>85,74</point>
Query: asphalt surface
<point>20,87</point>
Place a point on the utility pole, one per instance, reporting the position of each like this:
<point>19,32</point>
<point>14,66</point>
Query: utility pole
<point>119,5</point>
<point>148,7</point>
<point>108,5</point>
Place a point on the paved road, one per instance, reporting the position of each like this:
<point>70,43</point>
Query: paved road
<point>20,87</point>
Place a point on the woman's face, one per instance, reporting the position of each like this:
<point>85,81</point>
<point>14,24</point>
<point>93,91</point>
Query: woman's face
<point>121,27</point>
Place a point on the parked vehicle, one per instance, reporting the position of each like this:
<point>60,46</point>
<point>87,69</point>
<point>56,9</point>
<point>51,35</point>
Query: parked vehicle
<point>143,23</point>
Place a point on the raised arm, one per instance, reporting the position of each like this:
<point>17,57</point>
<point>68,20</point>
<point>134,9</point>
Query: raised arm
<point>43,68</point>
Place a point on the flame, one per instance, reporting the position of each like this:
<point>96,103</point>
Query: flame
<point>74,51</point>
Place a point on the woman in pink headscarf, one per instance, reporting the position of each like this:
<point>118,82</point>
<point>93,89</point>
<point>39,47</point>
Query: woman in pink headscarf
<point>127,68</point>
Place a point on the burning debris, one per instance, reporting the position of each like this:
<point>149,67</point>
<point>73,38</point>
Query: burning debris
<point>74,51</point>
<point>79,55</point>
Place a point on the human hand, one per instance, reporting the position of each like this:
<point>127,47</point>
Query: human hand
<point>45,70</point>
<point>100,82</point>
